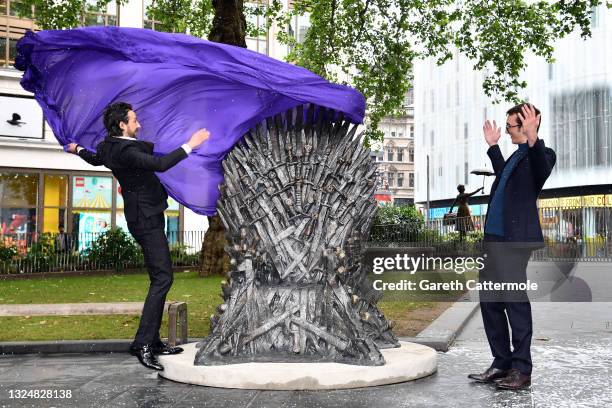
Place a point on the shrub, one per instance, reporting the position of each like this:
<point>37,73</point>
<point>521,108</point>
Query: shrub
<point>114,249</point>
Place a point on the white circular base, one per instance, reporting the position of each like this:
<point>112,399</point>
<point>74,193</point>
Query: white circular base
<point>408,362</point>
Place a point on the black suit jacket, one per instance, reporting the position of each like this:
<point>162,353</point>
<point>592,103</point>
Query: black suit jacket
<point>134,165</point>
<point>521,217</point>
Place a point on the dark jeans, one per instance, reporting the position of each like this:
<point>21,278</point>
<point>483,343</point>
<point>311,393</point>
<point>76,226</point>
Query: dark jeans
<point>149,233</point>
<point>507,263</point>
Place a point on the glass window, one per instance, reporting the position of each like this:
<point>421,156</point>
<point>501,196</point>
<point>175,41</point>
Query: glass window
<point>89,224</point>
<point>18,202</point>
<point>96,14</point>
<point>92,192</point>
<point>91,201</point>
<point>411,179</point>
<point>390,154</point>
<point>400,179</point>
<point>55,200</point>
<point>400,154</point>
<point>18,189</point>
<point>411,155</point>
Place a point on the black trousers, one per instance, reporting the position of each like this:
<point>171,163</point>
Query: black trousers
<point>507,263</point>
<point>149,232</point>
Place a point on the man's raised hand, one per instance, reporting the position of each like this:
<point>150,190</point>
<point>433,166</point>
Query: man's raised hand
<point>530,122</point>
<point>491,132</point>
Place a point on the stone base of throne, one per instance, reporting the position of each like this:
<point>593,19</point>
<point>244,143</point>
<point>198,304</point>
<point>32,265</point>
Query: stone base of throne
<point>406,363</point>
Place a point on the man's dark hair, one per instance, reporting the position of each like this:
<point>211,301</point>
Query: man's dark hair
<point>113,114</point>
<point>518,109</point>
<point>460,187</point>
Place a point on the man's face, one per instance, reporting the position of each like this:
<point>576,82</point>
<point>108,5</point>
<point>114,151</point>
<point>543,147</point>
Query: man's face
<point>132,126</point>
<point>514,129</point>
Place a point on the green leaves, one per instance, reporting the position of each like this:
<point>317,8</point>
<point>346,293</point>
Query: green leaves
<point>372,44</point>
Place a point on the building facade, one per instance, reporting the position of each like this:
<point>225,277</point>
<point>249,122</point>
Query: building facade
<point>396,159</point>
<point>41,186</point>
<point>574,95</point>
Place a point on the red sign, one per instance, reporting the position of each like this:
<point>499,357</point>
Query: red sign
<point>79,182</point>
<point>382,197</point>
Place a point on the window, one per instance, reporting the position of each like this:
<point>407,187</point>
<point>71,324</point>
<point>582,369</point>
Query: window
<point>55,202</point>
<point>465,131</point>
<point>411,155</point>
<point>410,179</point>
<point>16,18</point>
<point>457,95</point>
<point>391,181</point>
<point>433,107</point>
<point>96,15</point>
<point>465,173</point>
<point>400,154</point>
<point>550,71</point>
<point>256,39</point>
<point>594,17</point>
<point>392,134</point>
<point>390,154</point>
<point>400,134</point>
<point>91,207</point>
<point>581,128</point>
<point>18,204</point>
<point>400,179</point>
<point>411,132</point>
<point>148,20</point>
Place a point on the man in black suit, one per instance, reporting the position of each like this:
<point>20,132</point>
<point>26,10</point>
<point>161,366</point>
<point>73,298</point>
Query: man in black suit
<point>512,231</point>
<point>145,199</point>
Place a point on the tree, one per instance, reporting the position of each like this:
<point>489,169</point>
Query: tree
<point>373,43</point>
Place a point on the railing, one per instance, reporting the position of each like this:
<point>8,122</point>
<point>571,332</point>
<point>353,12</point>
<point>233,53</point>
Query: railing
<point>563,240</point>
<point>113,249</point>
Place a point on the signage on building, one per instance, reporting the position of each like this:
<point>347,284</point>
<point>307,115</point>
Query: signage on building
<point>20,117</point>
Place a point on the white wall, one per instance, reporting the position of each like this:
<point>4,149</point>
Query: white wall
<point>458,99</point>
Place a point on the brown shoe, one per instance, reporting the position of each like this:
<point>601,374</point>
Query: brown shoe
<point>515,380</point>
<point>488,376</point>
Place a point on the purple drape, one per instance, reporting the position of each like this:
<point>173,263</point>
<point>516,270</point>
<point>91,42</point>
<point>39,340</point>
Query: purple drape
<point>177,84</point>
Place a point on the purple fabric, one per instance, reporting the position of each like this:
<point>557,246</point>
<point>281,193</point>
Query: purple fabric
<point>177,84</point>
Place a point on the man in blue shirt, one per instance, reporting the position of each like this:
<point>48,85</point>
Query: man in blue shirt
<point>512,230</point>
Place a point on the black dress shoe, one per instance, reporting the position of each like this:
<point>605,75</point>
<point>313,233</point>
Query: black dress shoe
<point>515,380</point>
<point>166,350</point>
<point>146,357</point>
<point>488,376</point>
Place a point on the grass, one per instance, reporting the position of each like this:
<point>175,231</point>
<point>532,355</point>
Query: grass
<point>201,295</point>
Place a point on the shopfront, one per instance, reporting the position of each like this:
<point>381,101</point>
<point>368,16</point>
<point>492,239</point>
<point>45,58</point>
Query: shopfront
<point>83,203</point>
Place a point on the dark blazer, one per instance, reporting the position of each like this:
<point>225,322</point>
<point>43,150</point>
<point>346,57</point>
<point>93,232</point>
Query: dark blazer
<point>134,165</point>
<point>521,218</point>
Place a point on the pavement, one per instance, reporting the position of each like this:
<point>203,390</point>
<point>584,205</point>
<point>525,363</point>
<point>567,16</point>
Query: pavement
<point>572,355</point>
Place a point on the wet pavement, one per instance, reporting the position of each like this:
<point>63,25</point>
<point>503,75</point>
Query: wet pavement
<point>572,354</point>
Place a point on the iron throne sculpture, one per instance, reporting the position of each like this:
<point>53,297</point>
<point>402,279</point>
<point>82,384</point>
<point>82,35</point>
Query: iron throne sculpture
<point>297,202</point>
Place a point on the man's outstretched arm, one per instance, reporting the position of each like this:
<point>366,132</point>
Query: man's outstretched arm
<point>134,158</point>
<point>90,157</point>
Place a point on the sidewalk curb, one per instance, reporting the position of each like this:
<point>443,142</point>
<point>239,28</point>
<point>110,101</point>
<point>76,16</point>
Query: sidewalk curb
<point>442,332</point>
<point>439,335</point>
<point>68,346</point>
